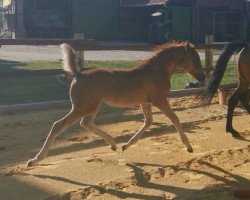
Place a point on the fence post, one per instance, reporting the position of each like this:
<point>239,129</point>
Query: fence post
<point>19,31</point>
<point>79,54</point>
<point>209,40</point>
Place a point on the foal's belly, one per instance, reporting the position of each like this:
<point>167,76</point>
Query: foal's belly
<point>128,101</point>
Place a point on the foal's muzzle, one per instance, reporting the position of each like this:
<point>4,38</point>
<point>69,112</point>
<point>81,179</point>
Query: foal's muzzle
<point>201,81</point>
<point>201,77</point>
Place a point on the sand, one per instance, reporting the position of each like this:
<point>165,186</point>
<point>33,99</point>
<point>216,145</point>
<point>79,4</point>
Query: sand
<point>81,166</point>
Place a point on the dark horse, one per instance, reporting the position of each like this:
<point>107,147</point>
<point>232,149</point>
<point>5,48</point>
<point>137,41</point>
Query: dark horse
<point>242,93</point>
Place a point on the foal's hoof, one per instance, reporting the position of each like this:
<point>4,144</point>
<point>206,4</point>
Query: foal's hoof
<point>113,147</point>
<point>32,162</point>
<point>124,147</point>
<point>190,150</point>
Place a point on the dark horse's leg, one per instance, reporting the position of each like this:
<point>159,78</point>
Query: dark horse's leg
<point>245,100</point>
<point>232,102</point>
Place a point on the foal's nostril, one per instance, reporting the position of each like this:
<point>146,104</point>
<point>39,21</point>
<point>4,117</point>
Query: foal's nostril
<point>193,85</point>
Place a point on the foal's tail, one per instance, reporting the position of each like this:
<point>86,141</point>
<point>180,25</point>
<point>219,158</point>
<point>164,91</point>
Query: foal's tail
<point>214,80</point>
<point>69,64</point>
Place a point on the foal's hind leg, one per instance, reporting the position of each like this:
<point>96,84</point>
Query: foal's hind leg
<point>88,123</point>
<point>57,128</point>
<point>164,106</point>
<point>147,112</point>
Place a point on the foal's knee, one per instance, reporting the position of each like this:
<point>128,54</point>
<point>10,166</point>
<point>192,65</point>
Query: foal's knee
<point>56,128</point>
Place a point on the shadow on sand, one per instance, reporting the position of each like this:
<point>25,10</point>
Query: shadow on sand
<point>180,193</point>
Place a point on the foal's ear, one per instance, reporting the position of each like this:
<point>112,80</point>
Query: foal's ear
<point>188,45</point>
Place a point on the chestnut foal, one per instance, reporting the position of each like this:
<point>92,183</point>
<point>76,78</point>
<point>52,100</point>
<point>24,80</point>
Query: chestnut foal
<point>146,84</point>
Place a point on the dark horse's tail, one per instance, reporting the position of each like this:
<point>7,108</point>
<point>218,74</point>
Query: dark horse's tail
<point>214,80</point>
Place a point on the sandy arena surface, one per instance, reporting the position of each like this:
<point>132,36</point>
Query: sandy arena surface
<point>82,166</point>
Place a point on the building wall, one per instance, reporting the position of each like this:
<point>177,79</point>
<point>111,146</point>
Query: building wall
<point>182,23</point>
<point>47,18</point>
<point>222,4</point>
<point>225,24</point>
<point>107,20</point>
<point>191,20</point>
<point>225,19</point>
<point>97,19</point>
<point>135,22</point>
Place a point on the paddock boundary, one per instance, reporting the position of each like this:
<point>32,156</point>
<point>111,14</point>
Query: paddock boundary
<point>64,103</point>
<point>81,45</point>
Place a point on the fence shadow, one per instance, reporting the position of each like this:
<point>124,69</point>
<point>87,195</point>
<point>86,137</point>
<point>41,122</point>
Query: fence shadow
<point>9,65</point>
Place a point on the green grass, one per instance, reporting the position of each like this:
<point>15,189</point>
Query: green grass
<point>12,66</point>
<point>111,64</point>
<point>49,88</point>
<point>178,81</point>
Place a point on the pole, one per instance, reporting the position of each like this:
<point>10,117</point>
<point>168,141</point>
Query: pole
<point>209,40</point>
<point>79,54</point>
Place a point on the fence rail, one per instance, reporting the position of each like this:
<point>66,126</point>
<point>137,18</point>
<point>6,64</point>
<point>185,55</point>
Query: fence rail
<point>82,45</point>
<point>92,45</point>
<point>50,72</point>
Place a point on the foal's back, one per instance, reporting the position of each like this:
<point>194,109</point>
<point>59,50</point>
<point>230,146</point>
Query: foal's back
<point>121,88</point>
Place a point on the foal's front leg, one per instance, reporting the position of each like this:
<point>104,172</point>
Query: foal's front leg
<point>88,123</point>
<point>147,112</point>
<point>164,107</point>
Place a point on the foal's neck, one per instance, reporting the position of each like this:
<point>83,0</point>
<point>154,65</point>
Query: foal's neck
<point>167,61</point>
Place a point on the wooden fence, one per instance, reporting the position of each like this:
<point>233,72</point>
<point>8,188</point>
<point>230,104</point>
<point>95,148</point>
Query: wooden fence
<point>92,45</point>
<point>82,45</point>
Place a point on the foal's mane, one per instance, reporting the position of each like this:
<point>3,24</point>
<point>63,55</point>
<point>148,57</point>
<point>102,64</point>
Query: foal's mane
<point>158,49</point>
<point>162,48</point>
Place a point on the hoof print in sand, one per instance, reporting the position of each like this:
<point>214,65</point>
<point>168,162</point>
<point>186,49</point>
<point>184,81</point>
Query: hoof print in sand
<point>17,171</point>
<point>83,193</point>
<point>94,160</point>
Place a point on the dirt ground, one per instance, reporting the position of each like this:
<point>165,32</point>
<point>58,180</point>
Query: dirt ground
<point>82,166</point>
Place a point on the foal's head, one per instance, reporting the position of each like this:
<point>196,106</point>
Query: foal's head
<point>183,55</point>
<point>191,63</point>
